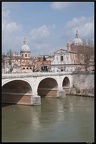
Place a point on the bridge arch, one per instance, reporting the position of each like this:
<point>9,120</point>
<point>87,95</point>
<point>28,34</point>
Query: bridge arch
<point>66,84</point>
<point>9,80</point>
<point>16,91</point>
<point>47,87</point>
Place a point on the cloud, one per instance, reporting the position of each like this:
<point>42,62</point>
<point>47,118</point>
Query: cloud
<point>7,24</point>
<point>54,26</point>
<point>11,5</point>
<point>13,27</point>
<point>11,32</point>
<point>84,25</point>
<point>39,34</point>
<point>40,48</point>
<point>60,5</point>
<point>38,39</point>
<point>13,35</point>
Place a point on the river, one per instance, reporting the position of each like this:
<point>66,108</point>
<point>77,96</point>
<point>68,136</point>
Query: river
<point>56,120</point>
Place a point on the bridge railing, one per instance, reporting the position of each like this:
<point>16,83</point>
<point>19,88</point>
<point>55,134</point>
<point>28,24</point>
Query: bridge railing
<point>35,74</point>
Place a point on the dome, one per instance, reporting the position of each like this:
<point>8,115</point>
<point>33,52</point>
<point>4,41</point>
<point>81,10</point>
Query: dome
<point>77,40</point>
<point>25,47</point>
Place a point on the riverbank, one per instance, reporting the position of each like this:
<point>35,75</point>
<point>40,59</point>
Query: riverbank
<point>83,84</point>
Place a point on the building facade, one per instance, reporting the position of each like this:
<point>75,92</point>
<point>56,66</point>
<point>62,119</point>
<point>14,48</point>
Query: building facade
<point>24,63</point>
<point>84,53</point>
<point>62,61</point>
<point>75,57</point>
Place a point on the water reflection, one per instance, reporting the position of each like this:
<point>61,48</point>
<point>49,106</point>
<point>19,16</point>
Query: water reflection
<point>57,120</point>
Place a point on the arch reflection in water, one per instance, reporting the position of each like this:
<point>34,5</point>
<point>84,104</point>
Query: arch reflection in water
<point>56,120</point>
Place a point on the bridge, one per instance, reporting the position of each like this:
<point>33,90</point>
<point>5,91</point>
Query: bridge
<point>29,88</point>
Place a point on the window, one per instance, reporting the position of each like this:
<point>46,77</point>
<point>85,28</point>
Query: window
<point>61,58</point>
<point>44,68</point>
<point>82,57</point>
<point>25,55</point>
<point>67,58</point>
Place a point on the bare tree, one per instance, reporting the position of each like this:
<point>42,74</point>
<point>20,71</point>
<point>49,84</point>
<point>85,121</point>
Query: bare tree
<point>16,53</point>
<point>3,61</point>
<point>10,55</point>
<point>84,42</point>
<point>87,50</point>
<point>90,43</point>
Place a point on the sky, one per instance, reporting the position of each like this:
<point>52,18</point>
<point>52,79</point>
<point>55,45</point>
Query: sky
<point>47,26</point>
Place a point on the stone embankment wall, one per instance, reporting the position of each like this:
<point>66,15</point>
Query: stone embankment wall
<point>83,84</point>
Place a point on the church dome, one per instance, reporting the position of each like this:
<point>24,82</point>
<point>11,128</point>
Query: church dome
<point>25,47</point>
<point>77,40</point>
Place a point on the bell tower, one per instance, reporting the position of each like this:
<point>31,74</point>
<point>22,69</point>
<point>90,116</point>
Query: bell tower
<point>68,46</point>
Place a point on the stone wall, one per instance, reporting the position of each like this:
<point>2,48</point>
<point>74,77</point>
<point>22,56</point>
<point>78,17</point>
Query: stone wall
<point>83,84</point>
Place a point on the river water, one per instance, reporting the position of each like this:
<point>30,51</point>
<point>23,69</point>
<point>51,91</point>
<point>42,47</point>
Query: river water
<point>56,120</point>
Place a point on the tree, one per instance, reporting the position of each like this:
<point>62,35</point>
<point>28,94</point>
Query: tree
<point>84,42</point>
<point>16,53</point>
<point>87,50</point>
<point>44,59</point>
<point>90,43</point>
<point>10,55</point>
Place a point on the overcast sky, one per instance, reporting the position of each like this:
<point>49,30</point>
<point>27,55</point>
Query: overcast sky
<point>47,26</point>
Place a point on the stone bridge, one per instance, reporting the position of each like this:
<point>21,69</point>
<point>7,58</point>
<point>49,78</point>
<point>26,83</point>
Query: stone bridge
<point>28,88</point>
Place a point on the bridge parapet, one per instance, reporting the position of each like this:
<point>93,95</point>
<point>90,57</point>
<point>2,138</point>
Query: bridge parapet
<point>35,74</point>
